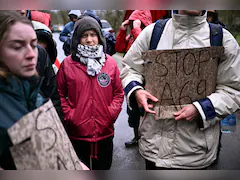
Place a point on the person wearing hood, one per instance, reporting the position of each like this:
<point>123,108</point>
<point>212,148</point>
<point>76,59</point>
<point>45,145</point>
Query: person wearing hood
<point>94,15</point>
<point>91,95</point>
<point>110,37</point>
<point>137,21</point>
<point>66,34</point>
<point>190,139</point>
<point>68,28</point>
<point>45,39</point>
<point>49,85</point>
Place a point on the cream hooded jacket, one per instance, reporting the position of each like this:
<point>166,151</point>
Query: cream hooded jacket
<point>183,144</point>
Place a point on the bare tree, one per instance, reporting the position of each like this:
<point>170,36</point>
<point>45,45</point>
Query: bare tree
<point>114,17</point>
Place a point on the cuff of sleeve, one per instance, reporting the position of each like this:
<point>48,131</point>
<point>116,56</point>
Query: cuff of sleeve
<point>207,108</point>
<point>129,94</point>
<point>200,110</point>
<point>130,86</point>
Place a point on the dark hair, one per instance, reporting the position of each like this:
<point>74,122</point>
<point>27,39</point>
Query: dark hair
<point>7,20</point>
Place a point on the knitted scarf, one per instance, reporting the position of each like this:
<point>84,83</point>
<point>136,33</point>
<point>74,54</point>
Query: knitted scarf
<point>91,56</point>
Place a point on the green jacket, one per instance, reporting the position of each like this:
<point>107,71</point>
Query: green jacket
<point>17,98</point>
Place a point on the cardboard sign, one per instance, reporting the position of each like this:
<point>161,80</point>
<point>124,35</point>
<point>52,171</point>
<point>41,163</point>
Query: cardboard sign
<point>180,77</point>
<point>40,142</point>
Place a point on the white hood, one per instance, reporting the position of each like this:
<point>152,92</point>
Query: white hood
<point>75,12</point>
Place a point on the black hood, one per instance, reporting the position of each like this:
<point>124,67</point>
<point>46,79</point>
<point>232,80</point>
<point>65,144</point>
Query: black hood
<point>82,25</point>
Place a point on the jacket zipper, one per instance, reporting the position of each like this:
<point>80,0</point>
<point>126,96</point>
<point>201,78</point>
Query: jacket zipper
<point>92,109</point>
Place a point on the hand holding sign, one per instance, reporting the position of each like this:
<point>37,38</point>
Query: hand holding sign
<point>142,96</point>
<point>189,113</point>
<point>180,77</point>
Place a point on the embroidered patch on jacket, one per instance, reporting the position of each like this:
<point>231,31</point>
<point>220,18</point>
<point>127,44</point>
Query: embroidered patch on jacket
<point>103,79</point>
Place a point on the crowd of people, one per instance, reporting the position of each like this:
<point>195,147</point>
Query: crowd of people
<point>88,88</point>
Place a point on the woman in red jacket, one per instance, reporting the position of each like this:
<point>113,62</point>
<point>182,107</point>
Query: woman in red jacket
<point>91,95</point>
<point>137,21</point>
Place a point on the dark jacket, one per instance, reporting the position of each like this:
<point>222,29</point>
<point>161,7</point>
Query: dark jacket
<point>48,88</point>
<point>17,98</point>
<point>66,32</point>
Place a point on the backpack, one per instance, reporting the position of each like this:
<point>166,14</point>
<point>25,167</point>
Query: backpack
<point>66,47</point>
<point>216,33</point>
<point>110,42</point>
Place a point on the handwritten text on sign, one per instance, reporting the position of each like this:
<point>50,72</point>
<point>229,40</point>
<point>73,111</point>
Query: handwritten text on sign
<point>178,77</point>
<point>41,143</point>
